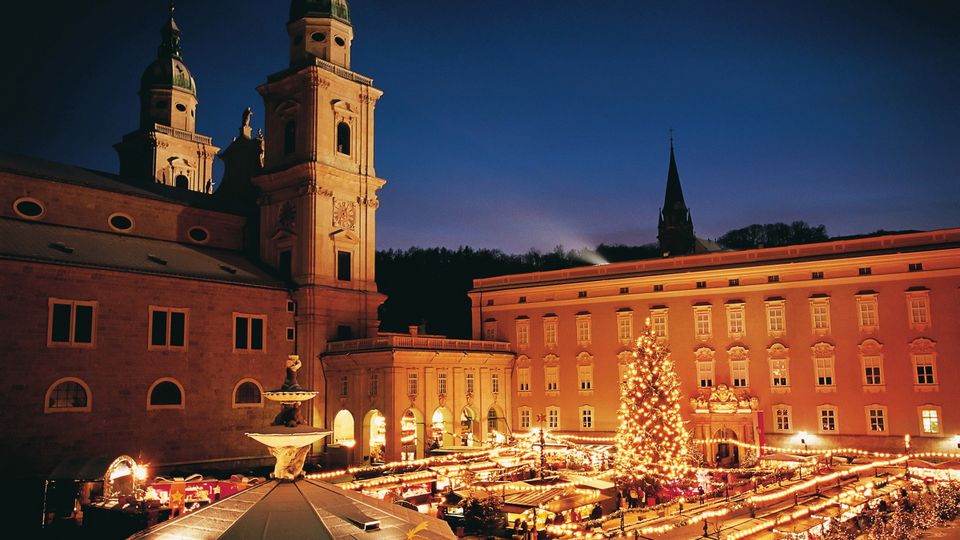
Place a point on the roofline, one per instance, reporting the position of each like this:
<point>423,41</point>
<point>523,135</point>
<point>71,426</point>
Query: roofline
<point>950,238</point>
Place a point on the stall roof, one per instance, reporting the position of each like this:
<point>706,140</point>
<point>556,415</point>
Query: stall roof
<point>304,509</point>
<point>83,469</point>
<point>587,481</point>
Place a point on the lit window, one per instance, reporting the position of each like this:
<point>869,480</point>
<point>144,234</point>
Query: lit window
<point>523,333</point>
<point>550,332</point>
<point>776,318</point>
<point>930,420</point>
<point>918,303</point>
<point>248,332</point>
<point>523,379</point>
<point>658,322</point>
<point>68,395</point>
<point>168,328</point>
<point>442,382</point>
<point>625,326</point>
<point>553,417</point>
<point>820,315</point>
<point>586,418</point>
<point>413,386</point>
<point>552,378</point>
<point>877,419</point>
<point>867,312</point>
<point>779,360</point>
<point>469,379</point>
<point>704,322</point>
<point>781,416</point>
<point>583,329</point>
<point>828,419</point>
<point>495,383</point>
<point>585,377</point>
<point>71,323</point>
<point>525,417</point>
<point>736,327</point>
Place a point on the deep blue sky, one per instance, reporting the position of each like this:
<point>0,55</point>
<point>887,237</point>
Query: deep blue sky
<point>517,124</point>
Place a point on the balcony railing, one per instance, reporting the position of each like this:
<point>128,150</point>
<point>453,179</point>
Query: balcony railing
<point>416,342</point>
<point>182,134</point>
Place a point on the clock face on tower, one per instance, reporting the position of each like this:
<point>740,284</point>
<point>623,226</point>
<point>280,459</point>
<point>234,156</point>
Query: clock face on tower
<point>344,215</point>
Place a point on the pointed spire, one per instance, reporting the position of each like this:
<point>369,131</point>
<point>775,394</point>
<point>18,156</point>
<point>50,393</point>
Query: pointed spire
<point>170,37</point>
<point>674,196</point>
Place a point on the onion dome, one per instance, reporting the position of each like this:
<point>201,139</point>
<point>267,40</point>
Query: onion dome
<point>168,70</point>
<point>331,9</point>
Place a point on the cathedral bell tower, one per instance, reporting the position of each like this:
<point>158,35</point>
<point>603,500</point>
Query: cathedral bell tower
<point>675,227</point>
<point>167,149</point>
<point>318,190</point>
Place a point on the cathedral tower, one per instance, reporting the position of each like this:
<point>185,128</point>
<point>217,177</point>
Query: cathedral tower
<point>167,149</point>
<point>675,227</point>
<point>319,188</point>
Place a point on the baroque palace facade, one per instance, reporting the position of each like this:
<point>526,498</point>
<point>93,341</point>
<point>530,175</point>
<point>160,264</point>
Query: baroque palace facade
<point>839,344</point>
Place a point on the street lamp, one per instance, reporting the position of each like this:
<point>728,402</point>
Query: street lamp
<point>803,441</point>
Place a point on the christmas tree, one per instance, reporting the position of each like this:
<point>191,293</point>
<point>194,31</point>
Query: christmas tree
<point>651,438</point>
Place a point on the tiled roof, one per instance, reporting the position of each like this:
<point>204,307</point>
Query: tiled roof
<point>55,244</point>
<point>70,174</point>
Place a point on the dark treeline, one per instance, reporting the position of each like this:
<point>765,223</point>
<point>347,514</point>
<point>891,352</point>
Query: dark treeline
<point>428,286</point>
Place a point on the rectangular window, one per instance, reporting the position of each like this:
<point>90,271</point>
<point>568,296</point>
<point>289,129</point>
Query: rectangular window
<point>625,326</point>
<point>583,329</point>
<point>285,264</point>
<point>291,333</point>
<point>658,322</point>
<point>553,418</point>
<point>373,381</point>
<point>867,313</point>
<point>168,328</point>
<point>816,275</point>
<point>828,419</point>
<point>919,312</point>
<point>773,279</point>
<point>489,302</point>
<point>413,386</point>
<point>865,271</point>
<point>248,332</point>
<point>658,288</point>
<point>704,323</point>
<point>522,300</point>
<point>877,419</point>
<point>776,319</point>
<point>930,420</point>
<point>624,290</point>
<point>344,263</point>
<point>915,267</point>
<point>736,328</point>
<point>525,418</point>
<point>701,284</point>
<point>582,294</point>
<point>820,316</point>
<point>550,332</point>
<point>495,383</point>
<point>291,306</point>
<point>490,330</point>
<point>739,373</point>
<point>523,333</point>
<point>871,370</point>
<point>734,282</point>
<point>779,372</point>
<point>71,323</point>
<point>585,376</point>
<point>468,379</point>
<point>781,419</point>
<point>923,363</point>
<point>552,378</point>
<point>824,368</point>
<point>586,418</point>
<point>442,382</point>
<point>344,385</point>
<point>705,374</point>
<point>523,379</point>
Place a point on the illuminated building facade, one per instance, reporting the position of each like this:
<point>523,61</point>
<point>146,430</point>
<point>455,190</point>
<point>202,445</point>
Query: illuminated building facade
<point>839,344</point>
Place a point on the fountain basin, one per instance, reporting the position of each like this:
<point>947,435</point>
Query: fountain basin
<point>289,437</point>
<point>290,396</point>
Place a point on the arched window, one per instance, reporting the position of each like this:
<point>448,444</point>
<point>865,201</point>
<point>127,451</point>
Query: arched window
<point>343,428</point>
<point>183,182</point>
<point>343,138</point>
<point>165,394</point>
<point>247,393</point>
<point>290,138</point>
<point>67,395</point>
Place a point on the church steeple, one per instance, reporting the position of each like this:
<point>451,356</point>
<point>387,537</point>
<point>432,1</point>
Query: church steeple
<point>167,147</point>
<point>675,227</point>
<point>320,29</point>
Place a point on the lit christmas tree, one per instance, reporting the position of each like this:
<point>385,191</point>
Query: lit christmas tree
<point>651,438</point>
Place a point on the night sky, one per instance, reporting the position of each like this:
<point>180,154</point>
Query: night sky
<point>516,124</point>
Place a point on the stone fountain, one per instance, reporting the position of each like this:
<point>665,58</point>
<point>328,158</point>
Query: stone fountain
<point>289,437</point>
